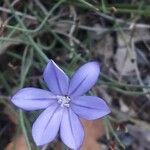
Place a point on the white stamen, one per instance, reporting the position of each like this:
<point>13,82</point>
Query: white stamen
<point>63,101</point>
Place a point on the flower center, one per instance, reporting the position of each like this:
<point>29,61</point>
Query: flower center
<point>63,101</point>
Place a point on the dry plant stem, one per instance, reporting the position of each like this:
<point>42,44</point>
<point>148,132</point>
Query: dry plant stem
<point>73,13</point>
<point>45,147</point>
<point>145,90</point>
<point>129,118</point>
<point>94,29</point>
<point>130,24</point>
<point>14,2</point>
<point>99,29</point>
<point>39,4</point>
<point>73,39</point>
<point>18,13</point>
<point>132,54</point>
<point>137,69</point>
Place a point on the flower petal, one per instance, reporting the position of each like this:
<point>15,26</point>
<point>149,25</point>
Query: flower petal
<point>84,78</point>
<point>90,107</point>
<point>46,127</point>
<point>33,98</point>
<point>71,130</point>
<point>56,80</point>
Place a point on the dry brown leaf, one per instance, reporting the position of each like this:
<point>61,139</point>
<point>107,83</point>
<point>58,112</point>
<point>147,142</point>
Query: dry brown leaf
<point>19,143</point>
<point>124,55</point>
<point>93,131</point>
<point>123,61</point>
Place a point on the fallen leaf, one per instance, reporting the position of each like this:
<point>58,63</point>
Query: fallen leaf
<point>125,56</point>
<point>19,143</point>
<point>93,131</point>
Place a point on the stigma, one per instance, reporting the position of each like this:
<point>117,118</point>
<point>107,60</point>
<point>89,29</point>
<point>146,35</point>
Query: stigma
<point>64,101</point>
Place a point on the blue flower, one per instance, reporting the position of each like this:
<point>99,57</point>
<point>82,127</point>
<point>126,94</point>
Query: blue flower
<point>64,104</point>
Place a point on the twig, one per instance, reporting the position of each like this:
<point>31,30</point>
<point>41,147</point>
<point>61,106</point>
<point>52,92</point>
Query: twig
<point>73,13</point>
<point>18,13</point>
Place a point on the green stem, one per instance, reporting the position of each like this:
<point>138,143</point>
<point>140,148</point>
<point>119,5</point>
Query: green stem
<point>42,23</point>
<point>22,123</point>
